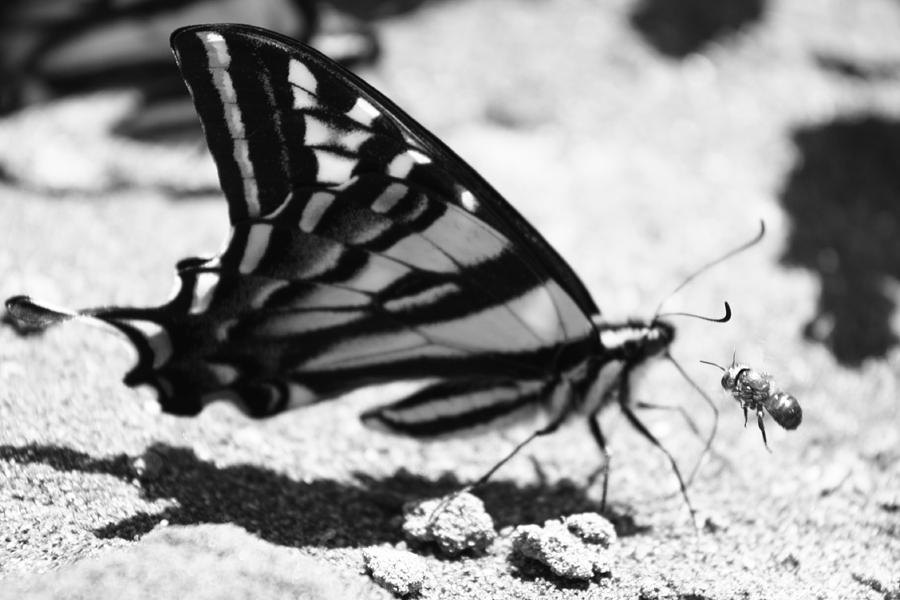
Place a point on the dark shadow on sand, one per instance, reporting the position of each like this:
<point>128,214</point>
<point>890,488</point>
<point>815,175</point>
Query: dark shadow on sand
<point>288,512</point>
<point>843,198</point>
<point>678,28</point>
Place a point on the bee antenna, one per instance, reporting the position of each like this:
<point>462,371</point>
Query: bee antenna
<point>724,319</point>
<point>706,362</point>
<point>712,263</point>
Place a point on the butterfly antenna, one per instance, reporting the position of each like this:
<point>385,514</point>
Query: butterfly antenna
<point>711,264</point>
<point>712,434</point>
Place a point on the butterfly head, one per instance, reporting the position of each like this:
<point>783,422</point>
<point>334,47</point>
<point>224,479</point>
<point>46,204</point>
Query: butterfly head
<point>659,336</point>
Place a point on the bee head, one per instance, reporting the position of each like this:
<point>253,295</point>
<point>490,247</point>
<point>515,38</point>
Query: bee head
<point>731,375</point>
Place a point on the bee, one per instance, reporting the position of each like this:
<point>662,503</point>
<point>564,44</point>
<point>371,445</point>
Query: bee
<point>756,391</point>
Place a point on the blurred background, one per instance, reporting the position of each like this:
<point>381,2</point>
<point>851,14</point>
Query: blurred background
<point>642,137</point>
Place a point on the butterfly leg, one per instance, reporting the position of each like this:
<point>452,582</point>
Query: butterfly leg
<point>628,411</point>
<point>693,427</point>
<point>708,449</point>
<point>597,434</point>
<point>546,430</point>
<point>539,471</point>
<point>684,414</point>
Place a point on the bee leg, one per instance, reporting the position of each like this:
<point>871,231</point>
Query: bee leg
<point>762,428</point>
<point>744,406</point>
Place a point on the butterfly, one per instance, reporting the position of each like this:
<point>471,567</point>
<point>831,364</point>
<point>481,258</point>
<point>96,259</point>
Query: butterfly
<point>755,391</point>
<point>362,251</point>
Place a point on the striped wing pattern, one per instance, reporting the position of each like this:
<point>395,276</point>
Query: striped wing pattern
<point>362,251</point>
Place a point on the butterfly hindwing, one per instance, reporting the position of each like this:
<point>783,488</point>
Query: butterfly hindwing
<point>362,250</point>
<point>451,405</point>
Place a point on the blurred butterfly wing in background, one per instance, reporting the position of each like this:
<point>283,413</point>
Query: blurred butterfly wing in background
<point>362,250</point>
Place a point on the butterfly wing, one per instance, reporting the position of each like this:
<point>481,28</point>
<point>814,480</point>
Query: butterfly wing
<point>362,250</point>
<point>301,120</point>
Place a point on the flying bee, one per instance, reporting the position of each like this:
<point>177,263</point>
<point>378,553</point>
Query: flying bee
<point>757,391</point>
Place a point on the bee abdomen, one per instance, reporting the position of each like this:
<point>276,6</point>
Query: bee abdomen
<point>785,409</point>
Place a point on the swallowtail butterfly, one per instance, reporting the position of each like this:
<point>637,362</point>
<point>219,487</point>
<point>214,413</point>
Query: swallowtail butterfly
<point>756,391</point>
<point>362,251</point>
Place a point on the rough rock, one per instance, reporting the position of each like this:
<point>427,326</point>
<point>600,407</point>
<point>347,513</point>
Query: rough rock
<point>567,547</point>
<point>398,571</point>
<point>457,523</point>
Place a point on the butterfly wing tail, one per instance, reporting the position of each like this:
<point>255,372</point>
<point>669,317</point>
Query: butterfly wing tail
<point>28,316</point>
<point>148,329</point>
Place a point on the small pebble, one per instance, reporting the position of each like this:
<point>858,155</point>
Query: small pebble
<point>565,553</point>
<point>399,571</point>
<point>556,548</point>
<point>457,523</point>
<point>592,528</point>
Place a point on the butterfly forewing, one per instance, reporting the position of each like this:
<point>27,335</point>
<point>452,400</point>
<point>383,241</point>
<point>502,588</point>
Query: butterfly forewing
<point>302,105</point>
<point>362,251</point>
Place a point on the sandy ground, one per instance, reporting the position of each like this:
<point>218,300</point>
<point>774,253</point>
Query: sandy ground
<point>638,167</point>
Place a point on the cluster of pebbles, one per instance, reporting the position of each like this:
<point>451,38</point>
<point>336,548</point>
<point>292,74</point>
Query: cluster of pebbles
<point>577,547</point>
